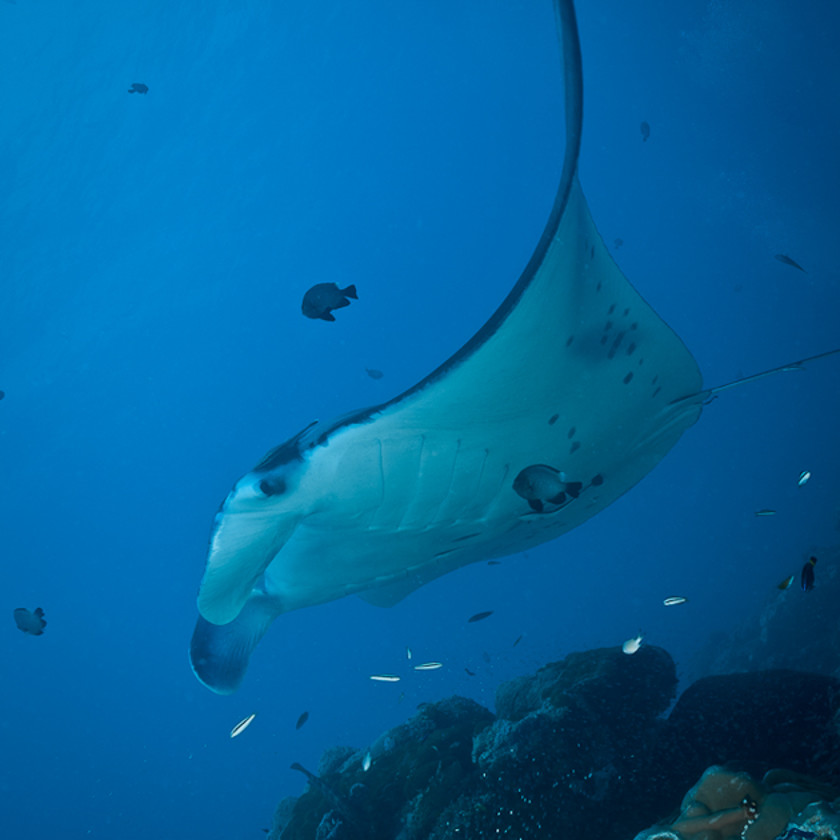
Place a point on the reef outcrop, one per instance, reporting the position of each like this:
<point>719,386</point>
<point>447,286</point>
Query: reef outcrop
<point>732,805</point>
<point>579,749</point>
<point>791,629</point>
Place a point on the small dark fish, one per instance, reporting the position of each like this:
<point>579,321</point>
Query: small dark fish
<point>619,243</point>
<point>479,616</point>
<point>807,577</point>
<point>518,640</point>
<point>373,373</point>
<point>30,622</point>
<point>645,129</point>
<point>138,87</point>
<point>494,562</point>
<point>545,489</point>
<point>322,298</point>
<point>2,394</point>
<point>786,582</point>
<point>301,720</point>
<point>765,512</point>
<point>784,258</point>
<point>470,673</point>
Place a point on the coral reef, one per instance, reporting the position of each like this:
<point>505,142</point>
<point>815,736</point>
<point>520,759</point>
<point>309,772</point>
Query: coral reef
<point>581,748</point>
<point>731,805</point>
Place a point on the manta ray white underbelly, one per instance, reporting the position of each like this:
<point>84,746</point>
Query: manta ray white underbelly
<point>574,371</point>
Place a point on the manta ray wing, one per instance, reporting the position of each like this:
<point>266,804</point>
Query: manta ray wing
<point>574,370</point>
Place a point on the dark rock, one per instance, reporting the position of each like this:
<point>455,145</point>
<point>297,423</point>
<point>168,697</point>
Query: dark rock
<point>570,741</point>
<point>417,770</point>
<point>770,718</point>
<point>579,749</point>
<point>591,681</point>
<point>334,759</point>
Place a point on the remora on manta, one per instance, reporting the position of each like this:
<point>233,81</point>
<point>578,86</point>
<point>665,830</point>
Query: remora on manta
<point>451,472</point>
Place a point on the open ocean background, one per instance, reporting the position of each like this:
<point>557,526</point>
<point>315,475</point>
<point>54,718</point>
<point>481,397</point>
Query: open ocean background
<point>154,251</point>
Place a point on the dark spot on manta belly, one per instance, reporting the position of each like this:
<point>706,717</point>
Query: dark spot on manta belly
<point>604,338</point>
<point>572,432</point>
<point>632,348</point>
<point>445,552</point>
<point>634,325</point>
<point>574,447</point>
<point>653,381</point>
<point>627,312</point>
<point>553,419</point>
<point>467,537</point>
<point>628,378</point>
<point>569,341</point>
<point>658,389</point>
<point>608,326</point>
<point>597,481</point>
<point>611,309</point>
<point>592,253</point>
<point>598,287</point>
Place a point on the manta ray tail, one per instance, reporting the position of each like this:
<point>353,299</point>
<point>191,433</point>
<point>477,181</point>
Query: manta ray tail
<point>219,653</point>
<point>797,365</point>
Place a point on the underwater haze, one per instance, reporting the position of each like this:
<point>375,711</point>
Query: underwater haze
<point>154,251</point>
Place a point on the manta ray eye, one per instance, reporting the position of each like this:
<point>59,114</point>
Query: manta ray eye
<point>272,486</point>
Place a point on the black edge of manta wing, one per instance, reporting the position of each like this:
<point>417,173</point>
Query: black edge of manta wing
<point>567,30</point>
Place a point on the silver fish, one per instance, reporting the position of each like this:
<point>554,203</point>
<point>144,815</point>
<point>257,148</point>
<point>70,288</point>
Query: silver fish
<point>674,600</point>
<point>428,666</point>
<point>803,477</point>
<point>242,725</point>
<point>385,677</point>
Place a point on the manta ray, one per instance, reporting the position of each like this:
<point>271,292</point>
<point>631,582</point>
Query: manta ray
<point>574,383</point>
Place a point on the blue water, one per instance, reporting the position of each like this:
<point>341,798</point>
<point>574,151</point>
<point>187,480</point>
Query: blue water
<point>153,253</point>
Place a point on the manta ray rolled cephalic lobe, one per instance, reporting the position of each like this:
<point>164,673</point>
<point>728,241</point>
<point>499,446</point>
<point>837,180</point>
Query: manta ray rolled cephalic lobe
<point>574,375</point>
